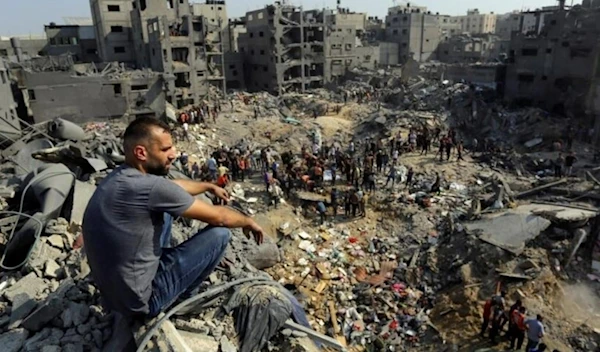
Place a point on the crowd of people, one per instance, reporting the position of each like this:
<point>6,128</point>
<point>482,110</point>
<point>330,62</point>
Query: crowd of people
<point>496,316</point>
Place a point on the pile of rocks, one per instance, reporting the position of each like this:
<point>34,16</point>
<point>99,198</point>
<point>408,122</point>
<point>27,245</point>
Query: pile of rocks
<point>50,304</point>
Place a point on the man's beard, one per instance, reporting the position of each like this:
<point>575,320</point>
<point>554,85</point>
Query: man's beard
<point>157,169</point>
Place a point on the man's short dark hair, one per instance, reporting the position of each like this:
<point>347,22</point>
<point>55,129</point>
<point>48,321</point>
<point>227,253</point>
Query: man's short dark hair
<point>141,130</point>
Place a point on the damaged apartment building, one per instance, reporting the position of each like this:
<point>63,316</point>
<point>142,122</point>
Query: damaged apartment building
<point>183,42</point>
<point>557,67</point>
<point>288,49</point>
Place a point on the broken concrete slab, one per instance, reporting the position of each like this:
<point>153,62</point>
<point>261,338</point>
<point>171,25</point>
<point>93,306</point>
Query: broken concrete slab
<point>56,241</point>
<point>30,285</point>
<point>558,213</point>
<point>81,197</point>
<point>199,342</point>
<point>44,314</point>
<point>22,305</point>
<point>13,340</point>
<point>510,230</point>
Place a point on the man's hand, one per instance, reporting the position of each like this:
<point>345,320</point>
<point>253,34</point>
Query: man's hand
<point>255,230</point>
<point>220,193</point>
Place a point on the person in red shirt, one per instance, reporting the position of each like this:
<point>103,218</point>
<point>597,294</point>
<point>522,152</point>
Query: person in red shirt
<point>518,328</point>
<point>487,312</point>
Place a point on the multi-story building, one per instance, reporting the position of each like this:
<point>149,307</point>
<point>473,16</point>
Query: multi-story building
<point>186,55</point>
<point>558,68</point>
<point>449,27</point>
<point>114,30</point>
<point>284,48</point>
<point>76,40</point>
<point>417,32</point>
<point>507,24</point>
<point>477,23</point>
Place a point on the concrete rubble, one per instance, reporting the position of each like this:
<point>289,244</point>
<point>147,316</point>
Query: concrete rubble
<point>410,274</point>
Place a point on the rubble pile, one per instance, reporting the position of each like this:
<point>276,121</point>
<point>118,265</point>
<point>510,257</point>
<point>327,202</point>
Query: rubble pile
<point>410,273</point>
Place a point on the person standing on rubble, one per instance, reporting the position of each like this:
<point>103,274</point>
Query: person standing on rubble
<point>127,227</point>
<point>535,332</point>
<point>449,144</point>
<point>517,328</point>
<point>442,148</point>
<point>391,176</point>
<point>558,166</point>
<point>409,177</point>
<point>487,313</point>
<point>570,160</point>
<point>459,151</point>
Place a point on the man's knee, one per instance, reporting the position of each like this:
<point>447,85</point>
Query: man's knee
<point>222,234</point>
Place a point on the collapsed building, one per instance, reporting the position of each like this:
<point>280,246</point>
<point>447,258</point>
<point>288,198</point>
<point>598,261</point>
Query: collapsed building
<point>557,67</point>
<point>83,93</point>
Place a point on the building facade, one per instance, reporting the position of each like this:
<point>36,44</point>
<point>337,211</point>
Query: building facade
<point>557,68</point>
<point>468,48</point>
<point>20,49</point>
<point>114,30</point>
<point>477,23</point>
<point>416,31</point>
<point>78,41</point>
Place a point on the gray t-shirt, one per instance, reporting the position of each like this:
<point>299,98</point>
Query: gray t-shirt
<point>121,230</point>
<point>535,329</point>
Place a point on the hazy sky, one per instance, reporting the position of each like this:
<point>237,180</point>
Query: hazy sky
<point>29,16</point>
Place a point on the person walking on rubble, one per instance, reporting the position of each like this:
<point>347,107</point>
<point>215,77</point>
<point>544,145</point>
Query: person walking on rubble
<point>449,145</point>
<point>391,176</point>
<point>535,331</point>
<point>487,313</point>
<point>127,227</point>
<point>442,148</point>
<point>517,328</point>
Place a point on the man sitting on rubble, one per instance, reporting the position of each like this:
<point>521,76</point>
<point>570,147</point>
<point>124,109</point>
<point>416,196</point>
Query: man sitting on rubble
<point>127,227</point>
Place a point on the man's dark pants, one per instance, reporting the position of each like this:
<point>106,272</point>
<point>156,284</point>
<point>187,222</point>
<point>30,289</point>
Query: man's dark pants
<point>531,344</point>
<point>516,335</point>
<point>183,268</point>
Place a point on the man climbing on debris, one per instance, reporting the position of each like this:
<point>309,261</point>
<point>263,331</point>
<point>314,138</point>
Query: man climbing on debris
<point>127,227</point>
<point>391,176</point>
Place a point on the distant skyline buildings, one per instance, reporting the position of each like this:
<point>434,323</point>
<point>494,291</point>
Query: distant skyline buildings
<point>25,17</point>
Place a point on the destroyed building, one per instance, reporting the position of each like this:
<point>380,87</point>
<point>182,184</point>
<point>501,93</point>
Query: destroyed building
<point>83,93</point>
<point>78,40</point>
<point>10,127</point>
<point>114,30</point>
<point>467,48</point>
<point>21,48</point>
<point>556,68</point>
<point>416,31</point>
<point>284,48</point>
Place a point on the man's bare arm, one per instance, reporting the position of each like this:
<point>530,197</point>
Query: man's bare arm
<point>223,217</point>
<point>194,188</point>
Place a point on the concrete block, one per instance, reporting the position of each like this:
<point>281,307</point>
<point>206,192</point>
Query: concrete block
<point>44,314</point>
<point>81,197</point>
<point>52,269</point>
<point>23,304</point>
<point>13,340</point>
<point>199,342</point>
<point>30,285</point>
